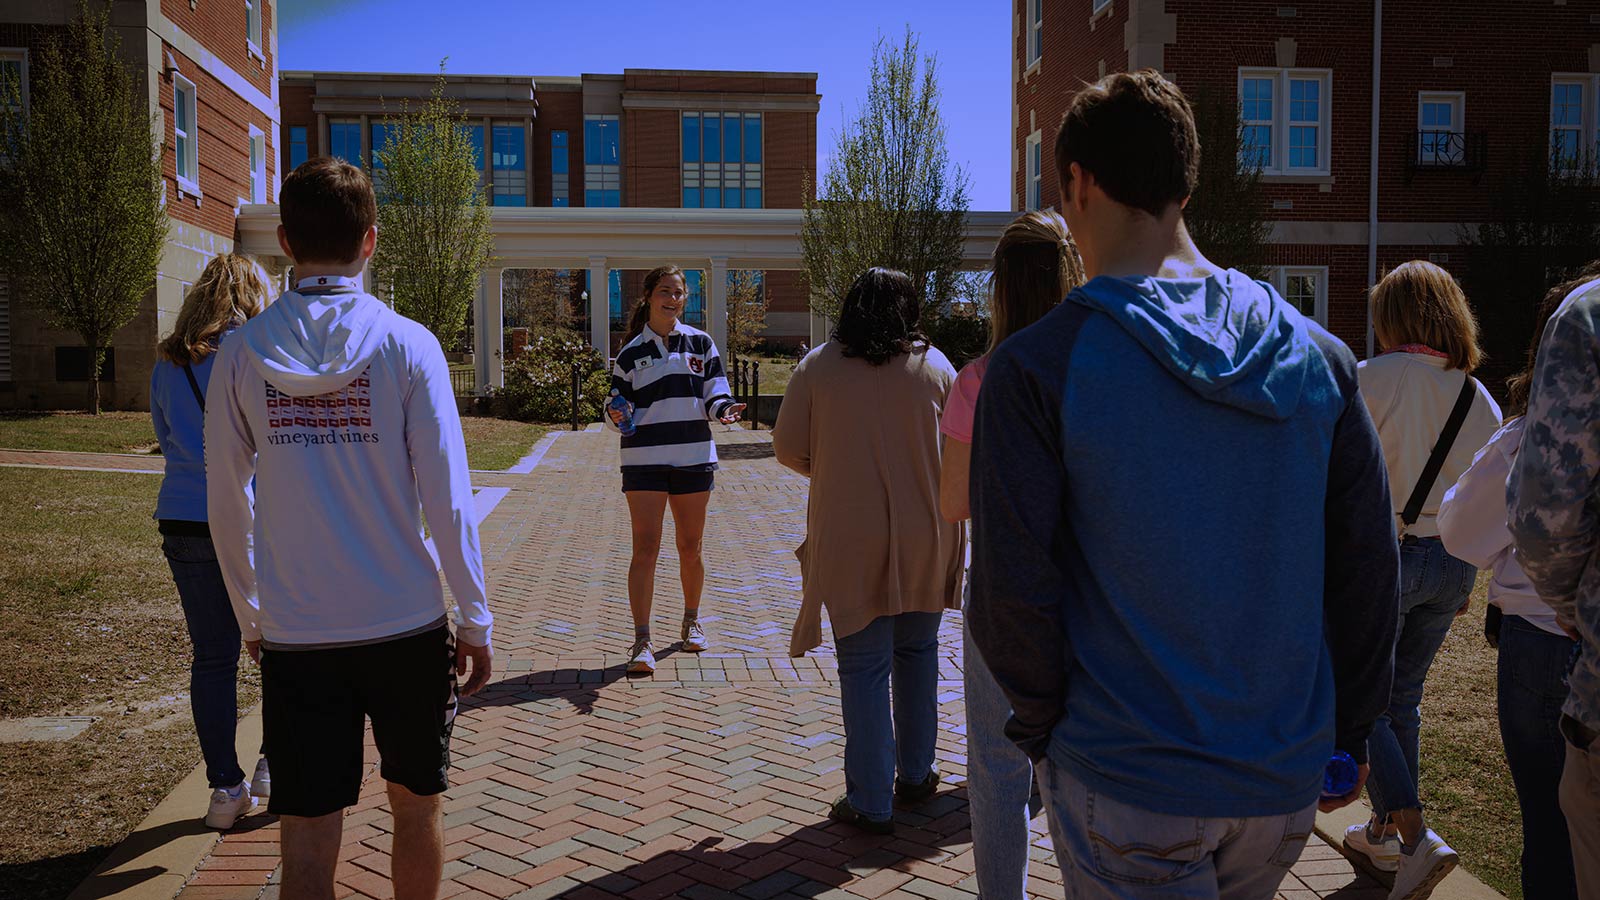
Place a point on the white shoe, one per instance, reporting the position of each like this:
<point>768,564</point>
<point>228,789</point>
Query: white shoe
<point>1423,868</point>
<point>261,781</point>
<point>1383,853</point>
<point>694,638</point>
<point>228,804</point>
<point>643,661</point>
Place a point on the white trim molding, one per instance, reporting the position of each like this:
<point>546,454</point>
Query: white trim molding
<point>1286,118</point>
<point>185,140</point>
<point>1294,283</point>
<point>182,42</point>
<point>1034,183</point>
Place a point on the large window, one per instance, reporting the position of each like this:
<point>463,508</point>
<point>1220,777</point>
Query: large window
<point>252,18</point>
<point>1035,30</point>
<point>1574,121</point>
<point>14,71</point>
<point>1286,120</point>
<point>1305,288</point>
<point>299,150</point>
<point>694,307</point>
<point>1440,138</point>
<point>559,172</point>
<point>184,131</point>
<point>344,141</point>
<point>258,165</point>
<point>510,159</point>
<point>602,161</point>
<point>619,319</point>
<point>381,133</point>
<point>722,155</point>
<point>1035,170</point>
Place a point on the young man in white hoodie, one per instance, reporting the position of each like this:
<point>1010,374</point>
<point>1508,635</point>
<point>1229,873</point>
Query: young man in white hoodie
<point>342,414</point>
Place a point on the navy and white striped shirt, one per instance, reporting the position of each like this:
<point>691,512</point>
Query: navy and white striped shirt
<point>677,387</point>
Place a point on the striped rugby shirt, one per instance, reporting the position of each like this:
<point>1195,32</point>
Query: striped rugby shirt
<point>677,387</point>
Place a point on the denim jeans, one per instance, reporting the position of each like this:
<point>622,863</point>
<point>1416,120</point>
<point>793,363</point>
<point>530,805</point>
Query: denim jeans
<point>999,782</point>
<point>1531,688</point>
<point>1433,585</point>
<point>1109,850</point>
<point>874,742</point>
<point>214,670</point>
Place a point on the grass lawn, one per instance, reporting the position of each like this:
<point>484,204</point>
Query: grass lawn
<point>109,432</point>
<point>89,625</point>
<point>498,443</point>
<point>775,373</point>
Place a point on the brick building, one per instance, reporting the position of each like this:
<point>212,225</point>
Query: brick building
<point>211,77</point>
<point>645,138</point>
<point>1463,91</point>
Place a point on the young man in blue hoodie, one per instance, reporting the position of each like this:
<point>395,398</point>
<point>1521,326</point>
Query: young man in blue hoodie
<point>1184,563</point>
<point>342,412</point>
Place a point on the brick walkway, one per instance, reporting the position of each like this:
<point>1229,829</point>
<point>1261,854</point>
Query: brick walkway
<point>709,780</point>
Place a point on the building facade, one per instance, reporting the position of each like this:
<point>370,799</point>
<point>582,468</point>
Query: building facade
<point>645,138</point>
<point>1365,166</point>
<point>210,74</point>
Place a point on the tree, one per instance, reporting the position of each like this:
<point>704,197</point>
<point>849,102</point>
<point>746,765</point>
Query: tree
<point>890,196</point>
<point>433,217</point>
<point>80,183</point>
<point>538,298</point>
<point>747,311</point>
<point>1226,215</point>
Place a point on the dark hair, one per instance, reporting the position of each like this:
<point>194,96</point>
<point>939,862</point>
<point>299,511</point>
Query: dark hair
<point>641,312</point>
<point>1035,265</point>
<point>1135,134</point>
<point>327,208</point>
<point>1520,385</point>
<point>878,320</point>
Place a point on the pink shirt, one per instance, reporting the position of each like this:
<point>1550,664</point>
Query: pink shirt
<point>963,402</point>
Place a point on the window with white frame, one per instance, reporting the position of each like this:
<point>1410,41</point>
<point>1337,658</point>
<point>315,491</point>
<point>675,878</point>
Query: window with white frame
<point>258,165</point>
<point>185,131</point>
<point>1305,288</point>
<point>602,161</point>
<point>14,76</point>
<point>1035,30</point>
<point>252,18</point>
<point>1574,120</point>
<point>1035,170</point>
<point>1440,132</point>
<point>1101,4</point>
<point>1286,120</point>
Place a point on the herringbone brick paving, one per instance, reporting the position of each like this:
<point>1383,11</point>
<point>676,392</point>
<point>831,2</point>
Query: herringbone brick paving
<point>710,780</point>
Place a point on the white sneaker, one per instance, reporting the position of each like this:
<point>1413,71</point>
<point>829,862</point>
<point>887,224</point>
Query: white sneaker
<point>643,661</point>
<point>1383,853</point>
<point>694,638</point>
<point>1423,868</point>
<point>261,781</point>
<point>228,804</point>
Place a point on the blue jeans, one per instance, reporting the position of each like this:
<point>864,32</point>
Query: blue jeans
<point>1433,585</point>
<point>1531,688</point>
<point>999,782</point>
<point>908,645</point>
<point>214,670</point>
<point>1110,850</point>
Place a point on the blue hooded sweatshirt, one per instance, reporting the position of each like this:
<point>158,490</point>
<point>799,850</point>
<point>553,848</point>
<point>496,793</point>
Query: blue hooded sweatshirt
<point>1184,567</point>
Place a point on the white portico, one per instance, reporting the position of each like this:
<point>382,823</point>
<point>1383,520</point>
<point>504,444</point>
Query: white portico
<point>601,239</point>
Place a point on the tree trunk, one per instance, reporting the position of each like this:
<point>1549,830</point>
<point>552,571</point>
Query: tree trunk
<point>97,355</point>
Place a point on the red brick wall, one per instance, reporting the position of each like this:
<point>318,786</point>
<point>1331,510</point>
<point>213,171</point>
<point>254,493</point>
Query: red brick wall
<point>294,109</point>
<point>791,159</point>
<point>652,150</point>
<point>224,150</point>
<point>219,26</point>
<point>713,82</point>
<point>559,110</point>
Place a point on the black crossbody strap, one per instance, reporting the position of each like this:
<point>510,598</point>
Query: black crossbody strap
<point>1441,449</point>
<point>194,385</point>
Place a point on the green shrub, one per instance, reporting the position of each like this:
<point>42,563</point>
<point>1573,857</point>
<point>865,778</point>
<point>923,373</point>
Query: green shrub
<point>962,338</point>
<point>538,381</point>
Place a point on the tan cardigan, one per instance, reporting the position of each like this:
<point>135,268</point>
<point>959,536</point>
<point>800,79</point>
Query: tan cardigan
<point>868,437</point>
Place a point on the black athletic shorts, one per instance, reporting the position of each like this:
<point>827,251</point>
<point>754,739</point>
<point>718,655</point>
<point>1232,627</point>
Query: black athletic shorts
<point>668,480</point>
<point>314,707</point>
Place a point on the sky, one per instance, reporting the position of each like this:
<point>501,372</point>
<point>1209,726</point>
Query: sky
<point>833,38</point>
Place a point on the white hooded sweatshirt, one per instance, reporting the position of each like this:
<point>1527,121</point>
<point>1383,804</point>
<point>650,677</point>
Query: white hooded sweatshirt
<point>343,413</point>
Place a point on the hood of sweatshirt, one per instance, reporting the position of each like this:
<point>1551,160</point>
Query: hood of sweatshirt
<point>309,344</point>
<point>1228,337</point>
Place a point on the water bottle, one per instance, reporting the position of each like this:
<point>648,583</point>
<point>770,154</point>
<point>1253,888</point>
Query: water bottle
<point>1339,778</point>
<point>623,406</point>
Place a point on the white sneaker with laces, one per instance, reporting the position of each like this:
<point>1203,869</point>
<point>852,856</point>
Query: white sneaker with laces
<point>1382,853</point>
<point>228,804</point>
<point>643,661</point>
<point>261,781</point>
<point>1423,867</point>
<point>694,638</point>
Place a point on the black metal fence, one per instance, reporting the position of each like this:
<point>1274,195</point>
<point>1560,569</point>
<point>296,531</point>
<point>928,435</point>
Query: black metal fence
<point>745,380</point>
<point>464,381</point>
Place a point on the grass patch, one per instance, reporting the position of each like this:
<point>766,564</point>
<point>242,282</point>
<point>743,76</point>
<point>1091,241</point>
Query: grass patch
<point>494,444</point>
<point>89,624</point>
<point>775,373</point>
<point>109,432</point>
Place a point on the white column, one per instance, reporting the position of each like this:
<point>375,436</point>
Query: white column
<point>820,329</point>
<point>599,306</point>
<point>717,302</point>
<point>489,332</point>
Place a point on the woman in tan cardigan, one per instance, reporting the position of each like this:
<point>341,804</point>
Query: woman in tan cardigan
<point>861,419</point>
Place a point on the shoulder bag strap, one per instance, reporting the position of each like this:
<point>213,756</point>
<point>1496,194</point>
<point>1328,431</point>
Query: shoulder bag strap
<point>194,385</point>
<point>1441,449</point>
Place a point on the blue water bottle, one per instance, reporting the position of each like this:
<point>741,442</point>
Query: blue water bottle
<point>623,406</point>
<point>1339,778</point>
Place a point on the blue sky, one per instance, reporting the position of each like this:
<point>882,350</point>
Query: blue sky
<point>833,38</point>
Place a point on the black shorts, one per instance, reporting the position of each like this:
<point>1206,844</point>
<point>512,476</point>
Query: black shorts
<point>668,480</point>
<point>314,707</point>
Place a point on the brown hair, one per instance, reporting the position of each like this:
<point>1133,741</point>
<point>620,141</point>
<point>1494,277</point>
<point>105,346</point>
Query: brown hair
<point>327,208</point>
<point>232,290</point>
<point>1134,132</point>
<point>1035,265</point>
<point>1420,303</point>
<point>879,317</point>
<point>1520,385</point>
<point>641,312</point>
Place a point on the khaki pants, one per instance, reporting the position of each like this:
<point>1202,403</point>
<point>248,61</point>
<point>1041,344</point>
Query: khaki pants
<point>1580,801</point>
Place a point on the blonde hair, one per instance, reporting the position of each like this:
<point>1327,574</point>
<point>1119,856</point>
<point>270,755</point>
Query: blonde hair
<point>1420,303</point>
<point>232,290</point>
<point>1035,265</point>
